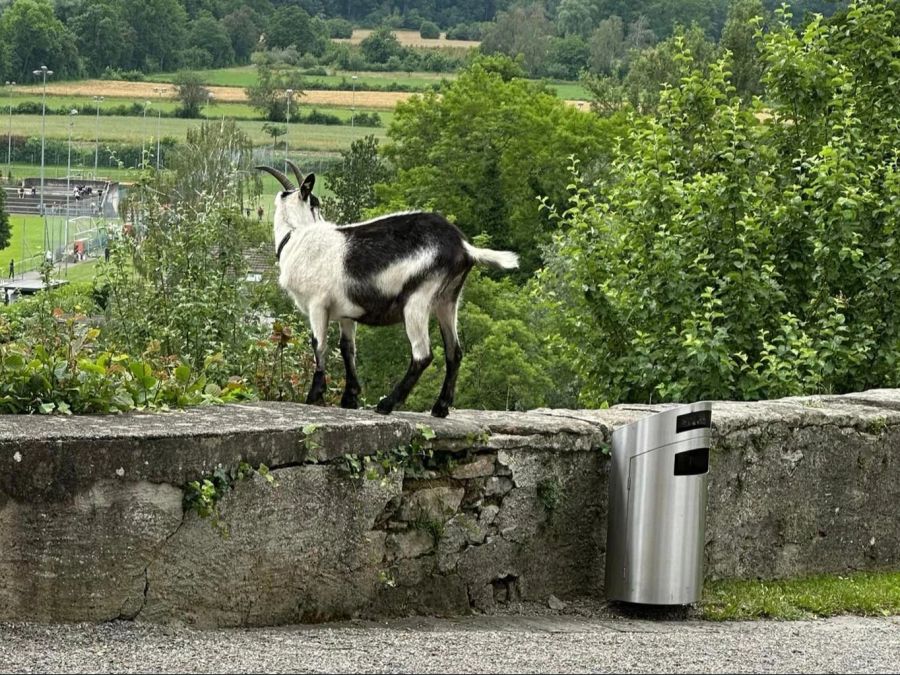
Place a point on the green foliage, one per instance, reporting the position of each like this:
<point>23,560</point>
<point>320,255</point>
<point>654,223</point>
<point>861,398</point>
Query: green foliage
<point>269,94</point>
<point>191,93</point>
<point>381,45</point>
<point>864,593</point>
<point>290,25</point>
<point>352,181</point>
<point>522,30</point>
<point>549,493</point>
<point>202,496</point>
<point>413,459</point>
<point>65,370</point>
<point>33,36</point>
<point>5,232</point>
<point>728,257</point>
<point>485,149</point>
<point>179,275</point>
<point>429,30</point>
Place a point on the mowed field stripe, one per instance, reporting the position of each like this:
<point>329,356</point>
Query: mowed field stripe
<point>375,100</point>
<point>379,100</point>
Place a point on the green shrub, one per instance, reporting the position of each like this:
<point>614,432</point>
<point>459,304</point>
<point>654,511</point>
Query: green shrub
<point>730,255</point>
<point>429,30</point>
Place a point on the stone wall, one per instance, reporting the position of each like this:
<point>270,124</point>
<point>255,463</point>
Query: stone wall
<point>511,506</point>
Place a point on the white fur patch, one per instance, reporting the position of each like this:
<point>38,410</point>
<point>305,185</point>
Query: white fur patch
<point>387,215</point>
<point>393,278</point>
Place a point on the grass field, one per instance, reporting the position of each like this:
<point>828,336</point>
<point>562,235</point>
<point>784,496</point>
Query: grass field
<point>313,137</point>
<point>412,38</point>
<point>88,123</point>
<point>245,76</point>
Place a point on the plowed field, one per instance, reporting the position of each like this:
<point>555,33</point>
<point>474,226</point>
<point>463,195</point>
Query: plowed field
<point>382,100</point>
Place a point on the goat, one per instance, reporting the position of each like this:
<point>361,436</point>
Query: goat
<point>396,268</point>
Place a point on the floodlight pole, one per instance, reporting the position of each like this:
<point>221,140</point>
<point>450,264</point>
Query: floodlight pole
<point>43,72</point>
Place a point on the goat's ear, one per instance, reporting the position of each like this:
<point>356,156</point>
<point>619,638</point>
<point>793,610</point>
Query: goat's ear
<point>306,187</point>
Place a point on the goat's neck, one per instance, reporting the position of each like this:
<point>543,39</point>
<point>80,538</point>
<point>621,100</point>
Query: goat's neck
<point>281,231</point>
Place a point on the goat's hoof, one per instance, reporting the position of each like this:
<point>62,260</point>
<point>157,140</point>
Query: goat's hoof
<point>316,399</point>
<point>384,407</point>
<point>349,401</point>
<point>440,410</point>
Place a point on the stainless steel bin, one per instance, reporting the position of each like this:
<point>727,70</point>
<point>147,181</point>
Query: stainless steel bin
<point>657,507</point>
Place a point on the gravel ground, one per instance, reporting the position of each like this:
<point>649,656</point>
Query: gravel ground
<point>494,644</point>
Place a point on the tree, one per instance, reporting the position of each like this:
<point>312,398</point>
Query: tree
<point>429,30</point>
<point>744,18</point>
<point>608,46</point>
<point>5,231</point>
<point>485,149</point>
<point>291,25</point>
<point>34,37</point>
<point>103,36</point>
<point>660,65</point>
<point>566,57</point>
<point>353,179</point>
<point>729,257</point>
<point>243,30</point>
<point>191,93</point>
<point>269,94</point>
<point>380,46</point>
<point>522,30</point>
<point>575,17</point>
<point>210,35</point>
<point>160,29</point>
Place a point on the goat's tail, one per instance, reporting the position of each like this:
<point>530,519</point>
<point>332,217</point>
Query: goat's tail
<point>505,260</point>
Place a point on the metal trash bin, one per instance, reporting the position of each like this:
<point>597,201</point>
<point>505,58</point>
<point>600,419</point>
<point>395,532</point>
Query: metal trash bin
<point>657,507</point>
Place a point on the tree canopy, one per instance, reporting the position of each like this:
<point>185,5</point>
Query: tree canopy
<point>486,148</point>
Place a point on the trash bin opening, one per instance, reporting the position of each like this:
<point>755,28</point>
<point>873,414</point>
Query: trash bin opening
<point>702,419</point>
<point>692,462</point>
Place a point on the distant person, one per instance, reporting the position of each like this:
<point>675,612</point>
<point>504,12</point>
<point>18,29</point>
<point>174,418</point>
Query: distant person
<point>12,269</point>
<point>259,213</point>
<point>33,191</point>
<point>106,254</point>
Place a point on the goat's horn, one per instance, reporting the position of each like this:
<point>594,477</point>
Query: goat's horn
<point>284,180</point>
<point>297,172</point>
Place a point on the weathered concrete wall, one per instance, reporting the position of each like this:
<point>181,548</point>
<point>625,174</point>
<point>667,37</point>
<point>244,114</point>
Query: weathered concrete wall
<point>512,506</point>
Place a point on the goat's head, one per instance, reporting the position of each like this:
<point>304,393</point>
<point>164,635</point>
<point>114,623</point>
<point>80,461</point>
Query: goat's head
<point>294,207</point>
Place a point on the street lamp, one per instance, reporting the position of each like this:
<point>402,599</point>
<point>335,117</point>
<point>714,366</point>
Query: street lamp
<point>97,101</point>
<point>9,136</point>
<point>144,132</point>
<point>72,114</point>
<point>159,91</point>
<point>353,103</point>
<point>43,72</point>
<point>287,126</point>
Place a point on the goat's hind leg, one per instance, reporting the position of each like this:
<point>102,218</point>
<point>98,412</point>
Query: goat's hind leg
<point>350,399</point>
<point>415,316</point>
<point>446,315</point>
<point>318,322</point>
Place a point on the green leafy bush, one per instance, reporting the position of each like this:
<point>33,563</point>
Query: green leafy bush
<point>67,371</point>
<point>429,30</point>
<point>739,255</point>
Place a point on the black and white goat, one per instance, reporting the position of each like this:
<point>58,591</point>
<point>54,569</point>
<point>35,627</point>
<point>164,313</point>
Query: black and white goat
<point>399,267</point>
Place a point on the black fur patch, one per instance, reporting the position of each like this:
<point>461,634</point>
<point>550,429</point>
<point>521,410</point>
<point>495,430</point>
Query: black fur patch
<point>375,246</point>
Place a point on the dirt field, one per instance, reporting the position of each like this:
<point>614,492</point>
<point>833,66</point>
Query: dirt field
<point>379,100</point>
<point>382,100</point>
<point>411,38</point>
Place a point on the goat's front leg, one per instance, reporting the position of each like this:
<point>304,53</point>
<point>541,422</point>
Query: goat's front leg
<point>318,323</point>
<point>415,316</point>
<point>350,399</point>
